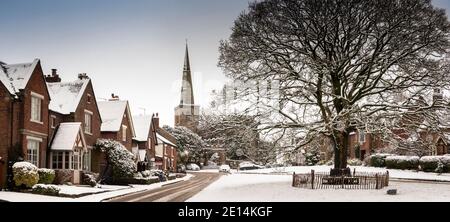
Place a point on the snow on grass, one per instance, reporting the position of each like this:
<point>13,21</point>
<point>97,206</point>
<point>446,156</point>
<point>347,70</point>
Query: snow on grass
<point>393,173</point>
<point>277,188</point>
<point>100,195</point>
<point>84,190</point>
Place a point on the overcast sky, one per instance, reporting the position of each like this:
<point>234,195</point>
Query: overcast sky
<point>133,48</point>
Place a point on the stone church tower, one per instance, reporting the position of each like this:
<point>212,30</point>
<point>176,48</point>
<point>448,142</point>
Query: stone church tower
<point>187,113</point>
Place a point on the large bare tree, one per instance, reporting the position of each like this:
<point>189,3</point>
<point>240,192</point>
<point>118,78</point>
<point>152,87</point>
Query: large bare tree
<point>341,65</point>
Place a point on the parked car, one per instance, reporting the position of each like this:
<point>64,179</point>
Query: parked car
<point>225,169</point>
<point>181,168</point>
<point>192,166</point>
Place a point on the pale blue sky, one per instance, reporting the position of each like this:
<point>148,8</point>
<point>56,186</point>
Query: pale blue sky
<point>133,48</point>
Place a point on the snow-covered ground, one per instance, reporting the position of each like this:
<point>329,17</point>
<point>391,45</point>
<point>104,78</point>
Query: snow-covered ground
<point>393,173</point>
<point>103,193</point>
<point>85,190</point>
<point>277,188</point>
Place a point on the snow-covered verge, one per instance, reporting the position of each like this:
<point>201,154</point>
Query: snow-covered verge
<point>393,173</point>
<point>277,188</point>
<point>96,194</point>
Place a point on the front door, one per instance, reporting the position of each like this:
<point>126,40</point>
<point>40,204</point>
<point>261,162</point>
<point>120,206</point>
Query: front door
<point>363,154</point>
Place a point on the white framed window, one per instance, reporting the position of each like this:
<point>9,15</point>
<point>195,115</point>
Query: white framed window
<point>75,157</point>
<point>124,133</point>
<point>57,160</point>
<point>362,136</point>
<point>53,121</point>
<point>33,150</point>
<point>87,160</point>
<point>36,107</point>
<point>88,121</point>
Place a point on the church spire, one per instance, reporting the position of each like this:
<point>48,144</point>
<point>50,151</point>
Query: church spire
<point>187,65</point>
<point>187,93</point>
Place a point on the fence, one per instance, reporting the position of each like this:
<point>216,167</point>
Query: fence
<point>356,180</point>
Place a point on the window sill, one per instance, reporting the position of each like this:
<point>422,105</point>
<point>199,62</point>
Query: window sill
<point>87,133</point>
<point>36,121</point>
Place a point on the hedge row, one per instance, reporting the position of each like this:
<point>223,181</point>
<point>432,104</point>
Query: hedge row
<point>437,164</point>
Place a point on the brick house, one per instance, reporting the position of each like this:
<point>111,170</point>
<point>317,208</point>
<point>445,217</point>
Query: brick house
<point>145,141</point>
<point>73,102</point>
<point>165,148</point>
<point>23,115</point>
<point>117,121</point>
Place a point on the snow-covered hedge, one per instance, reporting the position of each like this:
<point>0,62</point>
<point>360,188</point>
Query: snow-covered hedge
<point>378,160</point>
<point>45,189</point>
<point>437,164</point>
<point>354,162</point>
<point>46,176</point>
<point>89,179</point>
<point>119,157</point>
<point>25,174</point>
<point>402,162</point>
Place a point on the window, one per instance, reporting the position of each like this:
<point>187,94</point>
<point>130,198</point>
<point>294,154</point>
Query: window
<point>36,107</point>
<point>88,122</point>
<point>57,160</point>
<point>362,136</point>
<point>76,160</point>
<point>89,98</point>
<point>33,151</point>
<point>66,160</point>
<point>53,121</point>
<point>87,160</point>
<point>124,133</point>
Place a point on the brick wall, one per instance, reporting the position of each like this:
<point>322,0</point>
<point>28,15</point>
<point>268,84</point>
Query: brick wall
<point>5,132</point>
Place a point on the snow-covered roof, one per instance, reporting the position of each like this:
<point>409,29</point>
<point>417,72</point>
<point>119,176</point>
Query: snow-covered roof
<point>16,76</point>
<point>142,127</point>
<point>65,96</point>
<point>112,113</point>
<point>164,140</point>
<point>66,137</point>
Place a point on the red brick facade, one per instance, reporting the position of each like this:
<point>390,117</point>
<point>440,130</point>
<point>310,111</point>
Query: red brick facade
<point>17,126</point>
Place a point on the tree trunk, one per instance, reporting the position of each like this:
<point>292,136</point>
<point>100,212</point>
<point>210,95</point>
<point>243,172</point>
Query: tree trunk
<point>340,150</point>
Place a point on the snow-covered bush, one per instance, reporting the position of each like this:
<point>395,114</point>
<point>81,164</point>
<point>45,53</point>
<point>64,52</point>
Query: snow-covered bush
<point>45,189</point>
<point>378,160</point>
<point>89,179</point>
<point>312,158</point>
<point>402,162</point>
<point>25,174</point>
<point>46,176</point>
<point>354,162</point>
<point>437,164</point>
<point>119,157</point>
<point>146,173</point>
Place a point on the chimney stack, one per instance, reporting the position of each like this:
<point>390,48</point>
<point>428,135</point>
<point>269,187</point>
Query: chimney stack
<point>54,77</point>
<point>82,76</point>
<point>114,97</point>
<point>156,120</point>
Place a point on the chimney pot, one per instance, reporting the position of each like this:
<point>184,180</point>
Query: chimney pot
<point>82,76</point>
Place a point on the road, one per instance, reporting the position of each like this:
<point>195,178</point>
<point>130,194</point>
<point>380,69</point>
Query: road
<point>177,192</point>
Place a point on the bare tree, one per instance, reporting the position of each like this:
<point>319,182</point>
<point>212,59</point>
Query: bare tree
<point>341,65</point>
